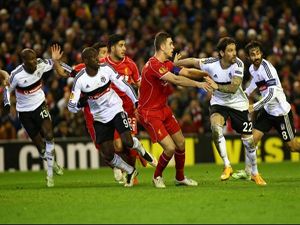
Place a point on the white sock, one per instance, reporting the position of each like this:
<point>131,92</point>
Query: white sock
<point>118,162</point>
<point>50,157</point>
<point>248,166</point>
<point>138,146</point>
<point>221,146</point>
<point>251,153</point>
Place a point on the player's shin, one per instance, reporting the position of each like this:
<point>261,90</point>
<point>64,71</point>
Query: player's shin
<point>251,153</point>
<point>50,157</point>
<point>118,162</point>
<point>220,142</point>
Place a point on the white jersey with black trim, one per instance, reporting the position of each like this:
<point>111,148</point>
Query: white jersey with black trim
<point>28,87</point>
<point>266,79</point>
<point>103,101</point>
<point>238,100</point>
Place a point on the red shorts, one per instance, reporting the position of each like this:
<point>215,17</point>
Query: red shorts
<point>159,123</point>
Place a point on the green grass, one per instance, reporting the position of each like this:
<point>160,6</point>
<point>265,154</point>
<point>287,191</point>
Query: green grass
<point>92,196</point>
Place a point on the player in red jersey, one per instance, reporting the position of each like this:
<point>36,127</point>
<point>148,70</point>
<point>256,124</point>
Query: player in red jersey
<point>127,68</point>
<point>154,113</point>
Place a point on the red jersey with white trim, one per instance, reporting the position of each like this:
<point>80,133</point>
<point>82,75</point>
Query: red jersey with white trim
<point>154,91</point>
<point>130,73</point>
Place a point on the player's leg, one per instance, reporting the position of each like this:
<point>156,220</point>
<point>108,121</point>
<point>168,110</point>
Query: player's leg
<point>217,120</point>
<point>173,128</point>
<point>32,127</point>
<point>285,127</point>
<point>242,124</point>
<point>121,122</point>
<point>104,137</point>
<point>47,133</point>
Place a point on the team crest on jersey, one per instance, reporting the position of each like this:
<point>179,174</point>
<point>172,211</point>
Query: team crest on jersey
<point>103,79</point>
<point>71,96</point>
<point>163,70</point>
<point>282,126</point>
<point>230,75</point>
<point>215,76</point>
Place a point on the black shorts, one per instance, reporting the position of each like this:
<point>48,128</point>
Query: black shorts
<point>284,125</point>
<point>32,120</point>
<point>105,131</point>
<point>240,120</point>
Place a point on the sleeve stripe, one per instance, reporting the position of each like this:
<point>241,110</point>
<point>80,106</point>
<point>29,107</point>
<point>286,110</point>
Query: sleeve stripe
<point>66,67</point>
<point>6,92</point>
<point>270,95</point>
<point>133,91</point>
<point>267,69</point>
<point>15,73</point>
<point>239,62</point>
<point>76,78</point>
<point>210,60</point>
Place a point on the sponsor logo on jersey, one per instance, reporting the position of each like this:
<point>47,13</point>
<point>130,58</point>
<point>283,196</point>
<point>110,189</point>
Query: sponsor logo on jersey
<point>163,70</point>
<point>103,79</point>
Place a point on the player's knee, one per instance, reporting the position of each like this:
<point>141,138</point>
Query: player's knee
<point>49,136</point>
<point>249,142</point>
<point>118,146</point>
<point>293,146</point>
<point>181,144</point>
<point>217,132</point>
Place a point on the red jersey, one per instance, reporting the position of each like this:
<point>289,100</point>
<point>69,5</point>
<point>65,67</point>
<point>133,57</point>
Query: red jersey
<point>154,91</point>
<point>128,69</point>
<point>79,67</point>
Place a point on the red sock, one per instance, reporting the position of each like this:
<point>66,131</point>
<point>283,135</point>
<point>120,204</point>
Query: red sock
<point>161,165</point>
<point>179,164</point>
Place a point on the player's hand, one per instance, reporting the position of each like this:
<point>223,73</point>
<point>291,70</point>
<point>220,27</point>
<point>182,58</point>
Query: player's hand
<point>251,109</point>
<point>212,84</point>
<point>205,86</point>
<point>177,57</point>
<point>56,52</point>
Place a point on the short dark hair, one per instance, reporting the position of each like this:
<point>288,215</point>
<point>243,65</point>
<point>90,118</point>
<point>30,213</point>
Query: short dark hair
<point>114,39</point>
<point>99,44</point>
<point>160,38</point>
<point>86,53</point>
<point>224,42</point>
<point>253,44</point>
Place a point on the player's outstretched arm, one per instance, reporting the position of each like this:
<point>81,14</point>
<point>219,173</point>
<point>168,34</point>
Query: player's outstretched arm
<point>192,73</point>
<point>188,62</point>
<point>56,56</point>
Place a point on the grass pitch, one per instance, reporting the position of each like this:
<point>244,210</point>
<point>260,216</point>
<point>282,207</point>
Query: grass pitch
<point>92,196</point>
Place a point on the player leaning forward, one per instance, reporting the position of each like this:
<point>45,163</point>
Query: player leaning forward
<point>106,107</point>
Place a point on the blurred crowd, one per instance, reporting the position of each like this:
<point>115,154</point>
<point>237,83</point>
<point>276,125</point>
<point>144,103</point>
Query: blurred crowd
<point>196,26</point>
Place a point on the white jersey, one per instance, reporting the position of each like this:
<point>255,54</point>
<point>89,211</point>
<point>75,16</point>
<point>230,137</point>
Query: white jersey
<point>28,87</point>
<point>238,100</point>
<point>266,79</point>
<point>103,101</point>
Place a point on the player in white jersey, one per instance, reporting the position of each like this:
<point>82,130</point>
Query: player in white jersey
<point>106,107</point>
<point>26,81</point>
<point>228,100</point>
<point>273,108</point>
